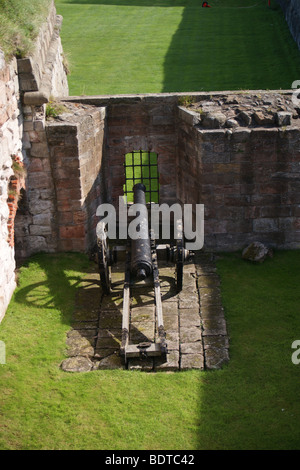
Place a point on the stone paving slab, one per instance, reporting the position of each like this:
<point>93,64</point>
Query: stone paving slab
<point>196,332</point>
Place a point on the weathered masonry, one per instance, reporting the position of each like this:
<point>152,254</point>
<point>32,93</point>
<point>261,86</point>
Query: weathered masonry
<point>25,86</point>
<point>238,153</point>
<point>233,153</point>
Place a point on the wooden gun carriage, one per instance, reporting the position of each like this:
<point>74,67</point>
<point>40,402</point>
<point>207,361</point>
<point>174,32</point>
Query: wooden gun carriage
<point>141,264</point>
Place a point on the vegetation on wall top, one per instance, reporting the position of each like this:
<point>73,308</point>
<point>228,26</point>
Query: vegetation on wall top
<point>20,21</point>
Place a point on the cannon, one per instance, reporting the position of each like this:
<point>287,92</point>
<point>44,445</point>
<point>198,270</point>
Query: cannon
<point>141,264</point>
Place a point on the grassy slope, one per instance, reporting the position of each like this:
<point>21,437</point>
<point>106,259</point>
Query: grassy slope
<point>251,404</point>
<point>20,21</point>
<point>137,46</point>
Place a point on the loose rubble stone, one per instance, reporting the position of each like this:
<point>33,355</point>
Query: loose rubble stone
<point>214,120</point>
<point>283,118</point>
<point>256,252</point>
<point>77,364</point>
<point>80,346</point>
<point>245,118</point>
<point>231,123</point>
<point>113,361</point>
<point>245,110</point>
<point>263,119</point>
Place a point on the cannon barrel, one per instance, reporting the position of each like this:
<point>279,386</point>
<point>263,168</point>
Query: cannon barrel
<point>141,259</point>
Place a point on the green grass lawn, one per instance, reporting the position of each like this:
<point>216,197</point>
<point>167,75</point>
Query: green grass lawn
<point>141,167</point>
<point>143,46</point>
<point>252,403</point>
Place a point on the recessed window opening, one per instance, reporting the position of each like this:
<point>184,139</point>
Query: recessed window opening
<point>141,167</point>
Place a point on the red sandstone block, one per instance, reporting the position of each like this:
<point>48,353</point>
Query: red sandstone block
<point>236,200</point>
<point>166,179</point>
<point>63,196</point>
<point>72,231</point>
<point>116,132</point>
<point>118,181</point>
<point>79,217</point>
<point>75,194</point>
<point>39,180</point>
<point>68,194</point>
<point>227,189</point>
<point>215,226</point>
<point>65,217</point>
<point>68,183</point>
<point>65,152</point>
<point>139,121</point>
<point>252,212</point>
<point>36,164</point>
<point>265,225</point>
<point>227,167</point>
<point>273,188</point>
<point>239,225</point>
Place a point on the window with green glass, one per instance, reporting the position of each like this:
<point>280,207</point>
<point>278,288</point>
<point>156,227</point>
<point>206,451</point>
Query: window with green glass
<point>141,167</point>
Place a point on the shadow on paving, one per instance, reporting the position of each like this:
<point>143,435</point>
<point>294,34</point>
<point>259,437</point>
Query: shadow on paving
<point>196,333</point>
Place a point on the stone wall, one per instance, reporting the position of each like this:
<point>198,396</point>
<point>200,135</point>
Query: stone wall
<point>42,77</point>
<point>291,9</point>
<point>42,74</point>
<point>11,129</point>
<point>239,155</point>
<point>64,184</point>
<point>25,86</point>
<point>133,123</point>
<point>76,147</point>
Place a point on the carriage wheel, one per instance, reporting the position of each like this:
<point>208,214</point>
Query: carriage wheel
<point>179,256</point>
<point>179,264</point>
<point>103,259</point>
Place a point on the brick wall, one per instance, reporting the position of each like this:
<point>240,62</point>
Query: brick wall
<point>144,123</point>
<point>138,122</point>
<point>248,181</point>
<point>247,177</point>
<point>75,151</point>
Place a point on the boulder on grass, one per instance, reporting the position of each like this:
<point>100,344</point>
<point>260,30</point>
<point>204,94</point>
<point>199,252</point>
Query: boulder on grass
<point>257,252</point>
<point>77,364</point>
